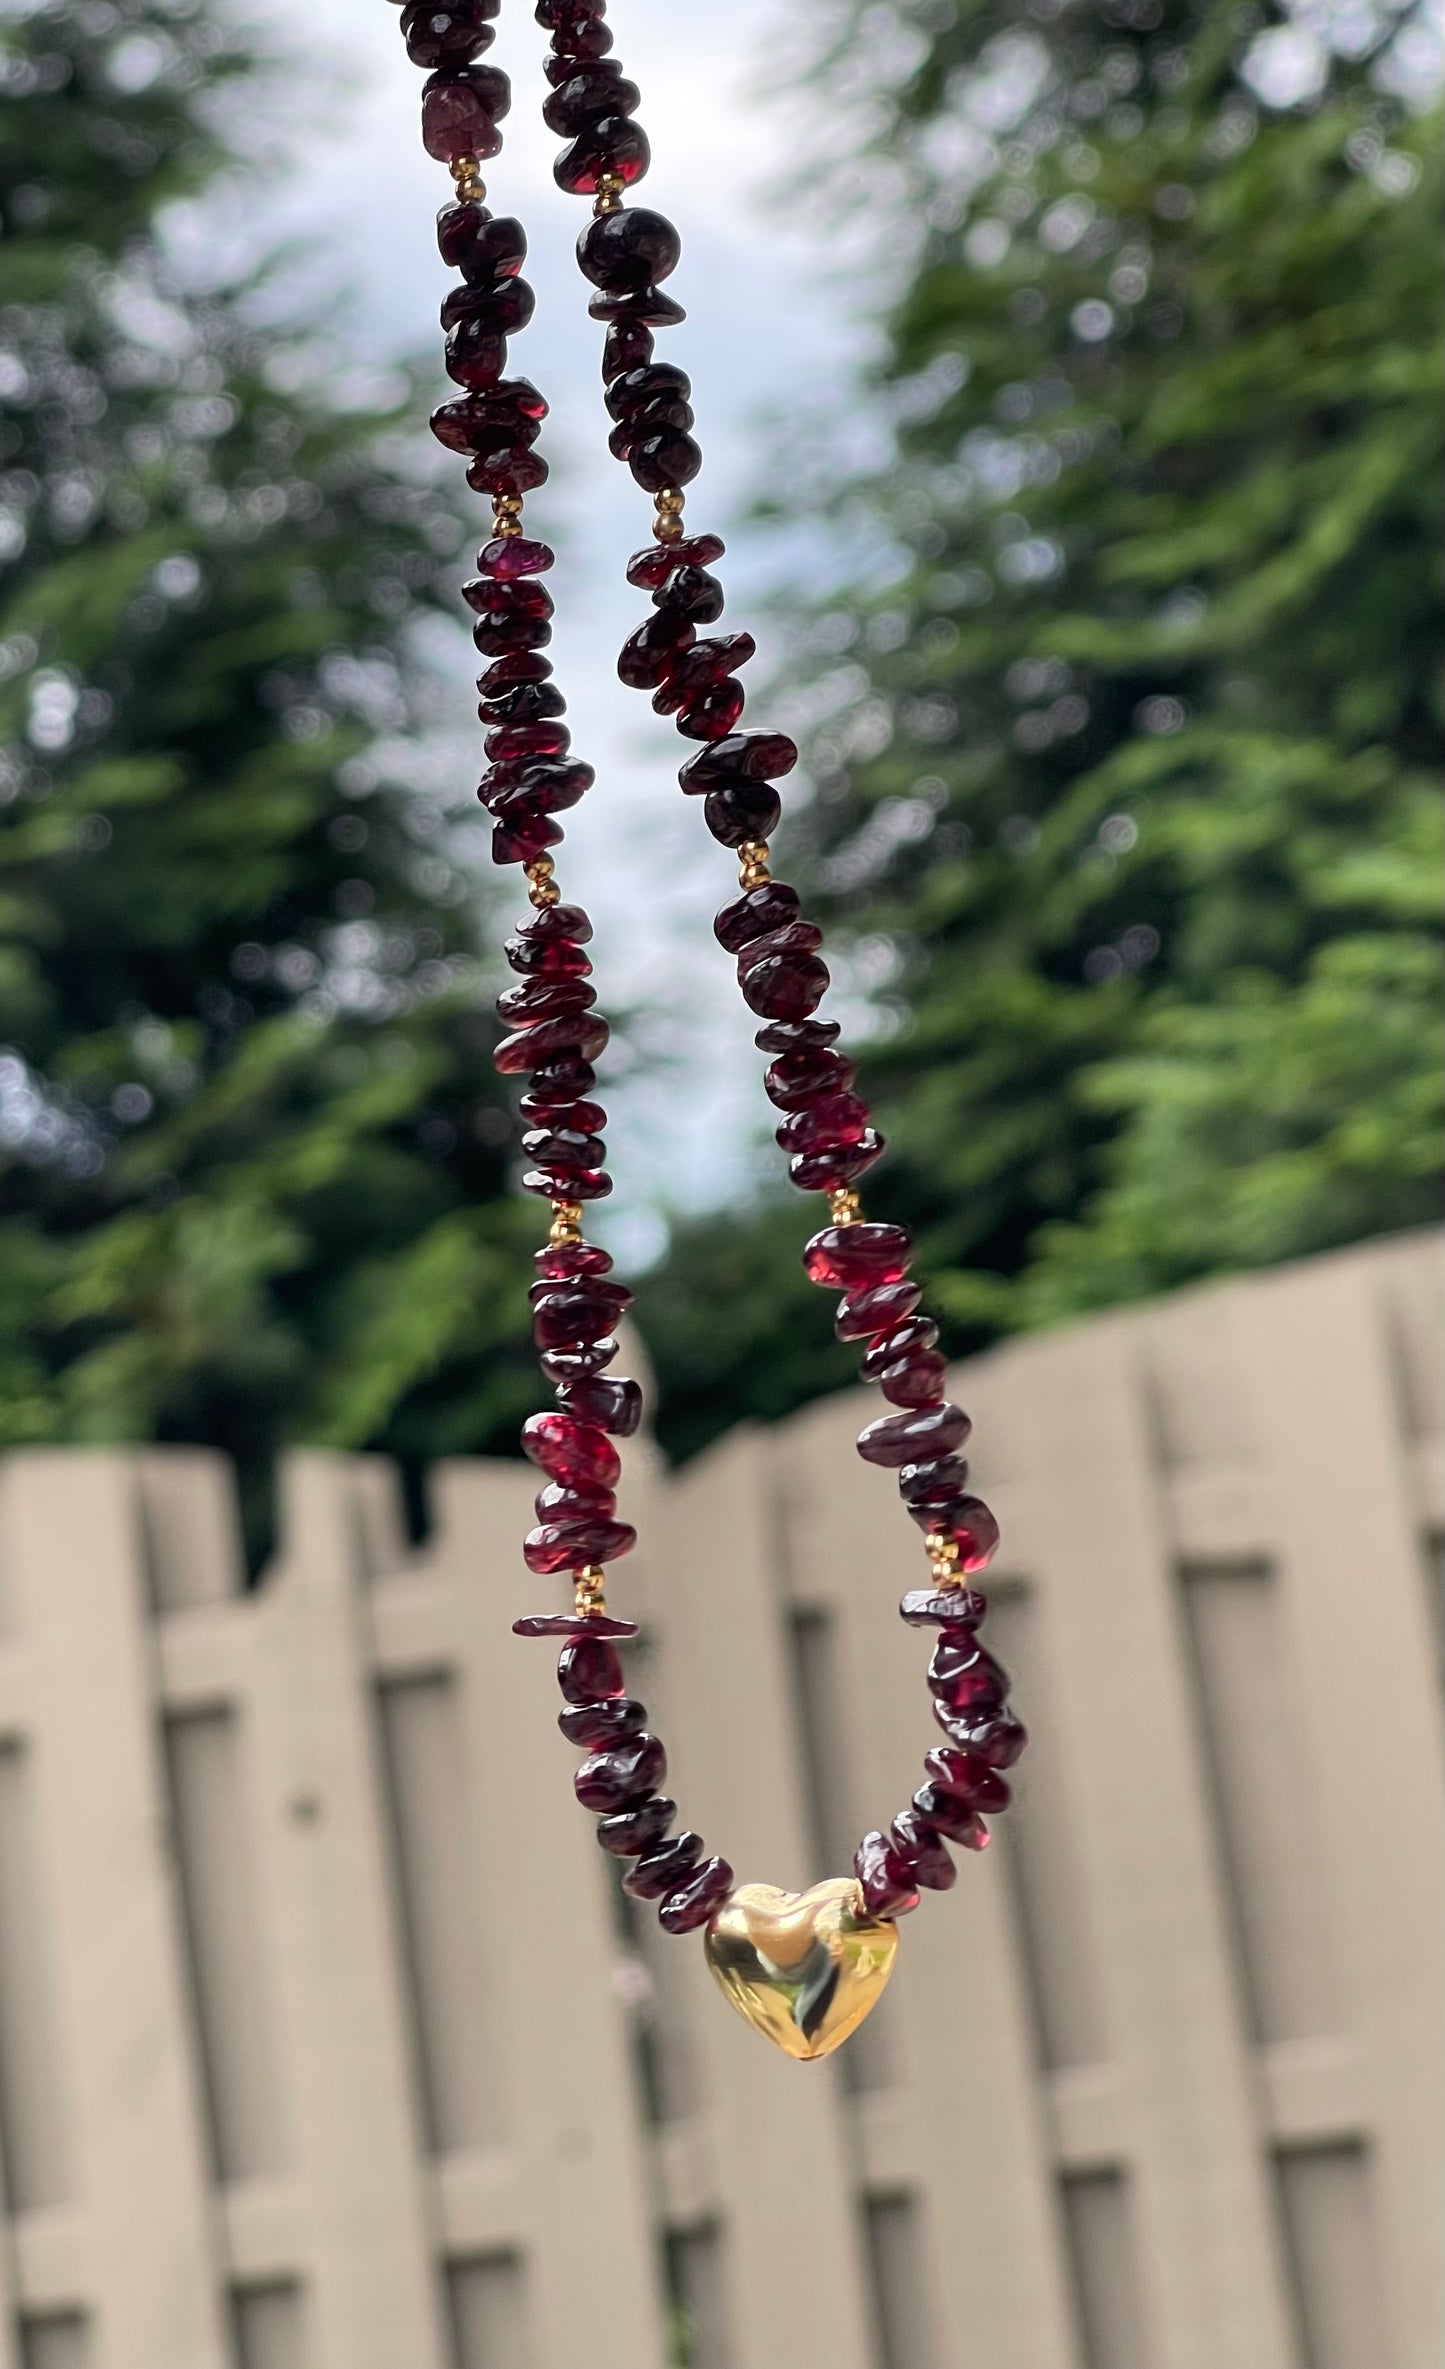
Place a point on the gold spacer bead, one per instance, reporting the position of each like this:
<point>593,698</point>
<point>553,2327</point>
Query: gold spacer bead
<point>844,1207</point>
<point>589,1590</point>
<point>542,889</point>
<point>669,503</point>
<point>466,172</point>
<point>609,193</point>
<point>566,1226</point>
<point>753,864</point>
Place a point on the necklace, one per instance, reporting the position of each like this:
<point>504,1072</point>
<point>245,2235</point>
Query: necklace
<point>805,1968</point>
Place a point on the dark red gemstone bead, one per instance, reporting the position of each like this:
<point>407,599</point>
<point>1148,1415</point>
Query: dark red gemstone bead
<point>523,598</point>
<point>743,756</point>
<point>964,1676</point>
<point>916,1381</point>
<point>481,246</point>
<point>668,457</point>
<point>523,835</point>
<point>943,1608</point>
<point>650,421</point>
<point>583,1119</point>
<point>614,1405</point>
<point>796,1081</point>
<point>562,1366</point>
<point>791,1036</point>
<point>460,112</point>
<point>825,1119</point>
<point>999,1738</point>
<point>888,1886</point>
<point>649,655</point>
<point>971,1779</point>
<point>616,145</point>
<point>923,1854</point>
<point>549,738</point>
<point>544,999</point>
<point>567,1184</point>
<point>582,1036</point>
<point>590,1670</point>
<point>567,1546</point>
<point>650,569</point>
<point>547,958</point>
<point>575,1453</point>
<point>627,345</point>
<point>649,306</point>
<point>563,1147</point>
<point>476,352</point>
<point>656,391</point>
<point>696,1897</point>
<point>568,922</point>
<point>783,986</point>
<point>498,631</point>
<point>661,1869</point>
<point>558,1261</point>
<point>857,1258</point>
<point>974,1529</point>
<point>633,248</point>
<point>900,1340</point>
<point>609,1780</point>
<point>707,715</point>
<point>600,90</point>
<point>902,1439</point>
<point>947,1814</point>
<point>694,593</point>
<point>746,810</point>
<point>580,1304</point>
<point>450,35</point>
<point>506,674</point>
<point>579,1625</point>
<point>557,1503</point>
<point>934,1483</point>
<point>508,556</point>
<point>755,914</point>
<point>630,1832</point>
<point>591,1726</point>
<point>522,703</point>
<point>507,469</point>
<point>828,1171</point>
<point>866,1313</point>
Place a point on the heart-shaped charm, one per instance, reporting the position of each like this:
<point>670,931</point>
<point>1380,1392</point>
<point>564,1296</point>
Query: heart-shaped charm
<point>803,1968</point>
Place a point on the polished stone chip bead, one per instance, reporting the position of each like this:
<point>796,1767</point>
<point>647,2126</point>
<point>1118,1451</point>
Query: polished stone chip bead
<point>801,1081</point>
<point>523,703</point>
<point>824,1119</point>
<point>507,556</point>
<point>447,32</point>
<point>888,1886</point>
<point>549,737</point>
<point>522,598</point>
<point>565,18</point>
<point>665,413</point>
<point>555,1502</point>
<point>519,666</point>
<point>508,469</point>
<point>998,1738</point>
<point>595,1726</point>
<point>635,394</point>
<point>857,1258</point>
<point>559,1082</point>
<point>671,457</point>
<point>589,1670</point>
<point>744,811</point>
<point>500,630</point>
<point>460,112</point>
<point>662,1868</point>
<point>943,1608</point>
<point>915,1381</point>
<point>754,914</point>
<point>750,756</point>
<point>627,345</point>
<point>616,145</point>
<point>650,569</point>
<point>830,1171</point>
<point>584,1628</point>
<point>584,1035</point>
<point>900,1340</point>
<point>971,1779</point>
<point>566,1546</point>
<point>948,1814</point>
<point>566,1450</point>
<point>578,1118</point>
<point>559,1261</point>
<point>631,1831</point>
<point>933,1482</point>
<point>963,1675</point>
<point>614,1404</point>
<point>481,246</point>
<point>693,593</point>
<point>865,1314</point>
<point>793,1036</point>
<point>562,1366</point>
<point>924,1855</point>
<point>567,1184</point>
<point>707,715</point>
<point>608,1781</point>
<point>544,999</point>
<point>572,1316</point>
<point>917,1432</point>
<point>695,1899</point>
<point>781,976</point>
<point>648,308</point>
<point>547,958</point>
<point>651,651</point>
<point>790,937</point>
<point>563,1147</point>
<point>599,91</point>
<point>633,248</point>
<point>571,922</point>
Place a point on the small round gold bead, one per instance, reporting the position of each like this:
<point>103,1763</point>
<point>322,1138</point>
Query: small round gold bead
<point>589,1590</point>
<point>466,172</point>
<point>609,193</point>
<point>753,864</point>
<point>542,889</point>
<point>566,1226</point>
<point>506,514</point>
<point>844,1207</point>
<point>671,500</point>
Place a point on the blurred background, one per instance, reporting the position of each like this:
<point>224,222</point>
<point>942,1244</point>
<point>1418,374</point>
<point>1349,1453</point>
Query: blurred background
<point>1068,377</point>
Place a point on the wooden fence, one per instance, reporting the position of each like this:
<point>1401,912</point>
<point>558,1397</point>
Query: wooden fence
<point>325,2042</point>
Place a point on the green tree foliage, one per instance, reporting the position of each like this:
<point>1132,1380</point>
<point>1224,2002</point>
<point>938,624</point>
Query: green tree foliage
<point>252,1157</point>
<point>1129,743</point>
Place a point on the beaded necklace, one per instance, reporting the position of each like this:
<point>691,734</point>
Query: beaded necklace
<point>804,1969</point>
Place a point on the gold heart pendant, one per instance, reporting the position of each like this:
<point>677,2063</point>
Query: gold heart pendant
<point>803,1968</point>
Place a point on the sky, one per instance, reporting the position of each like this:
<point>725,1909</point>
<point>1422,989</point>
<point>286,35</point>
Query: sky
<point>772,322</point>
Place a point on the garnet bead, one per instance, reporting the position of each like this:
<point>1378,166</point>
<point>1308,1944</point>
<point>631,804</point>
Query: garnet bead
<point>943,1608</point>
<point>558,1261</point>
<point>460,112</point>
<point>884,1874</point>
<point>607,1781</point>
<point>567,1546</point>
<point>481,246</point>
<point>590,1670</point>
<point>922,1852</point>
<point>998,1738</point>
<point>824,1119</point>
<point>627,1833</point>
<point>964,1679</point>
<point>599,91</point>
<point>858,1257</point>
<point>671,457</point>
<point>616,145</point>
<point>915,1381</point>
<point>971,1779</point>
<point>693,593</point>
<point>633,248</point>
<point>614,1405</point>
<point>948,1814</point>
<point>591,1725</point>
<point>651,568</point>
<point>575,1453</point>
<point>865,1313</point>
<point>664,1867</point>
<point>745,810</point>
<point>651,651</point>
<point>900,1340</point>
<point>562,1366</point>
<point>707,714</point>
<point>450,35</point>
<point>695,1899</point>
<point>780,983</point>
<point>797,1081</point>
<point>755,914</point>
<point>899,1439</point>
